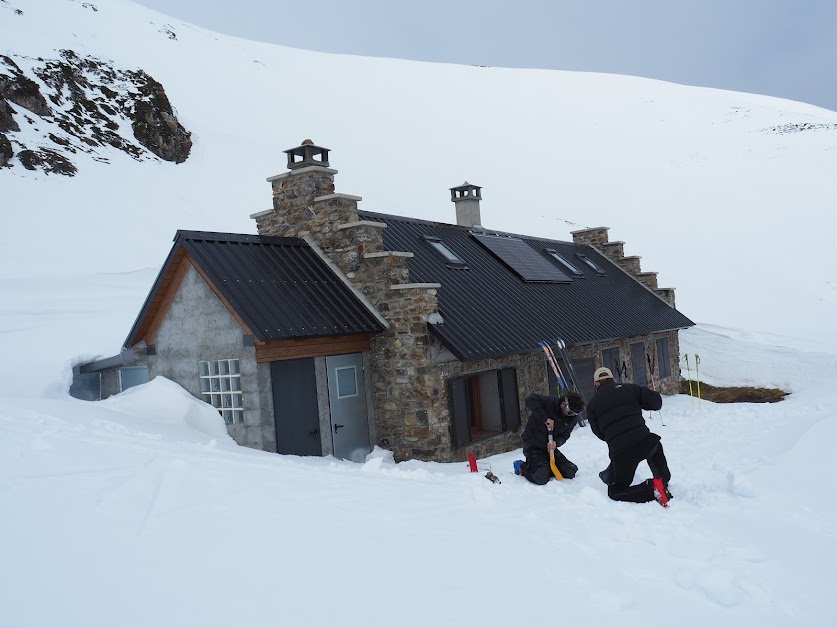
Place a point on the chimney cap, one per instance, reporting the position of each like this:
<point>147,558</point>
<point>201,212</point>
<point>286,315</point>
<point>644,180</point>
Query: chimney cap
<point>466,191</point>
<point>307,154</point>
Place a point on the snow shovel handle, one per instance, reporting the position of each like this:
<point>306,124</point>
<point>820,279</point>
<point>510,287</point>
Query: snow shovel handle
<point>555,471</point>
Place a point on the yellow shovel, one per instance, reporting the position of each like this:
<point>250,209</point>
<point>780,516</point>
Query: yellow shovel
<point>552,464</point>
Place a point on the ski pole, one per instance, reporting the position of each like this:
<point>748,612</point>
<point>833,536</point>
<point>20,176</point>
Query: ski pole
<point>689,371</point>
<point>697,376</point>
<point>653,387</point>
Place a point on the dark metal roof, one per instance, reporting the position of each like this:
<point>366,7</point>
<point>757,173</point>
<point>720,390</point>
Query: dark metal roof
<point>489,311</point>
<point>279,287</point>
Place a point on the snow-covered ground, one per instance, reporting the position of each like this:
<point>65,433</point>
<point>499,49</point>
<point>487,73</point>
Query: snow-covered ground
<point>140,510</point>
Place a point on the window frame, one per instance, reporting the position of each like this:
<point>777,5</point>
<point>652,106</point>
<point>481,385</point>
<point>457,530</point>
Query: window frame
<point>617,363</point>
<point>219,372</point>
<point>665,345</point>
<point>466,405</point>
<point>555,255</point>
<point>440,248</point>
<point>121,369</point>
<point>639,374</point>
<point>591,264</point>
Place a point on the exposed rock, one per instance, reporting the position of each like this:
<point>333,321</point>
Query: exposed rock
<point>93,103</point>
<point>155,125</point>
<point>47,160</point>
<point>800,127</point>
<point>22,91</point>
<point>6,151</point>
<point>7,119</point>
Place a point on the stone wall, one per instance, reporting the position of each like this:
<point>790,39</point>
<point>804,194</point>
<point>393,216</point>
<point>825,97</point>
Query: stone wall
<point>531,377</point>
<point>667,386</point>
<point>615,251</point>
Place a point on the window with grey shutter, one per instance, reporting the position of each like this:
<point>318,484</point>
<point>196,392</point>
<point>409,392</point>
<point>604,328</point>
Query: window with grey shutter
<point>460,411</point>
<point>638,364</point>
<point>509,398</point>
<point>663,358</point>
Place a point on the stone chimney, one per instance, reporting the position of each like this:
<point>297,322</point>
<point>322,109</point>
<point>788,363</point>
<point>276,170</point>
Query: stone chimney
<point>467,199</point>
<point>407,401</point>
<point>305,205</point>
<point>615,252</point>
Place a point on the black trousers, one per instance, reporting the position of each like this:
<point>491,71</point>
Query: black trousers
<point>537,469</point>
<point>624,466</point>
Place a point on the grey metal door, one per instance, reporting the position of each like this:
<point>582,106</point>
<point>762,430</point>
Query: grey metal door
<point>295,407</point>
<point>347,403</point>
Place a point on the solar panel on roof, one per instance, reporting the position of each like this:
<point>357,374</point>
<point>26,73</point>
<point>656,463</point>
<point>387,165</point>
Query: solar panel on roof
<point>522,258</point>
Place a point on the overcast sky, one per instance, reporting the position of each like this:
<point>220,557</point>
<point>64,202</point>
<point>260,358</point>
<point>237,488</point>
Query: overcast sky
<point>784,48</point>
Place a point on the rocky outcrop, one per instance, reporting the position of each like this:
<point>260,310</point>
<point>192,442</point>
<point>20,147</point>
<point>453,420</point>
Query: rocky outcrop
<point>18,88</point>
<point>47,160</point>
<point>7,119</point>
<point>5,150</point>
<point>155,124</point>
<point>85,104</point>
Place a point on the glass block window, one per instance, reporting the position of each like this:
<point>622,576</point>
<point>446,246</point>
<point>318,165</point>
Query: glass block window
<point>221,387</point>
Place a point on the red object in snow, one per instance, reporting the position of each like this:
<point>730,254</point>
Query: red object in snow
<point>660,492</point>
<point>472,462</point>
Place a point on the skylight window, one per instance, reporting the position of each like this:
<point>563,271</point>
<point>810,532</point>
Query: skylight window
<point>563,261</point>
<point>590,263</point>
<point>445,251</point>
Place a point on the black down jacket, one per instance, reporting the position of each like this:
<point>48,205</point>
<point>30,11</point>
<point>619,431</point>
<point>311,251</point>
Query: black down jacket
<point>615,414</point>
<point>544,407</point>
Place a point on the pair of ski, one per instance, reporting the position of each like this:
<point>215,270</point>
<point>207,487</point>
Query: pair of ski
<point>565,384</point>
<point>563,387</point>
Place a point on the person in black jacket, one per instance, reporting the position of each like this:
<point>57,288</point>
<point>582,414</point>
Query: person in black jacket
<point>559,415</point>
<point>615,415</point>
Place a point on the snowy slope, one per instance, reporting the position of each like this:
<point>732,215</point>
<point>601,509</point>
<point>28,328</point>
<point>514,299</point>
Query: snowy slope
<point>711,188</point>
<point>140,511</point>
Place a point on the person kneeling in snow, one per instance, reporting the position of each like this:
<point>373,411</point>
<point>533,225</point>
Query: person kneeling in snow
<point>548,414</point>
<point>615,415</point>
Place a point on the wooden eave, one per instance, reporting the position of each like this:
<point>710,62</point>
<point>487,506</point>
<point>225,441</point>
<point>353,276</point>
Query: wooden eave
<point>294,348</point>
<point>163,293</point>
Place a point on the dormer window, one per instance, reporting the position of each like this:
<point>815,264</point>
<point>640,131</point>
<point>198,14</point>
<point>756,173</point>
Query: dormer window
<point>453,260</point>
<point>590,263</point>
<point>564,262</point>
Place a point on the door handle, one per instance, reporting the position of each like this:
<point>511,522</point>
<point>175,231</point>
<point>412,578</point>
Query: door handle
<point>337,427</point>
<point>315,433</point>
